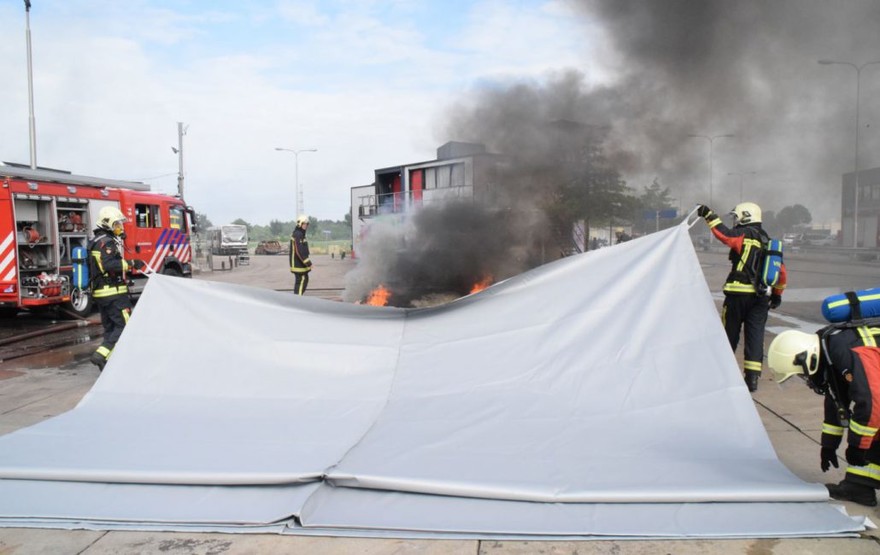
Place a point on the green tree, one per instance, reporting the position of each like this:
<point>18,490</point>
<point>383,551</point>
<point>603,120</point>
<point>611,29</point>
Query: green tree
<point>793,216</point>
<point>202,221</point>
<point>583,184</point>
<point>653,198</point>
<point>276,228</point>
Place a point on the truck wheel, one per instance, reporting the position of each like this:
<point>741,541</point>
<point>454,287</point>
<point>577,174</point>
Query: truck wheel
<point>80,303</point>
<point>171,271</point>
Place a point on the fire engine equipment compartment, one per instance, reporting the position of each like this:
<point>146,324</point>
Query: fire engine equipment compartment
<point>46,214</point>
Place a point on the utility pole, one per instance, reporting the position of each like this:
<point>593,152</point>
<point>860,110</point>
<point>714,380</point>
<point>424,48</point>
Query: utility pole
<point>32,126</point>
<point>181,131</point>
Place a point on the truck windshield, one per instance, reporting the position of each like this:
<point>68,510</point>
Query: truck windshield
<point>235,233</point>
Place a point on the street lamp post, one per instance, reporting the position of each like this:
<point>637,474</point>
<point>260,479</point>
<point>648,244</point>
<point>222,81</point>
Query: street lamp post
<point>32,127</point>
<point>858,69</point>
<point>741,174</point>
<point>711,139</point>
<point>299,202</point>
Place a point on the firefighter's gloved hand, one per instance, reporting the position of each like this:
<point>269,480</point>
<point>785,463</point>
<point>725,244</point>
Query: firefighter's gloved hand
<point>137,264</point>
<point>703,211</point>
<point>775,300</point>
<point>856,456</point>
<point>829,458</point>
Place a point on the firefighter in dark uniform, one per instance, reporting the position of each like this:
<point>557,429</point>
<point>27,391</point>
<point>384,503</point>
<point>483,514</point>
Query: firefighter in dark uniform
<point>109,287</point>
<point>300,264</point>
<point>746,304</point>
<point>844,366</point>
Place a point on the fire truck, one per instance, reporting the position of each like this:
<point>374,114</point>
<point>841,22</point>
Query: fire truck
<point>46,214</point>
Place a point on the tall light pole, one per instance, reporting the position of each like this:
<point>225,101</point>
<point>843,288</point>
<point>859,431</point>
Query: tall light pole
<point>711,139</point>
<point>858,92</point>
<point>32,127</point>
<point>741,174</point>
<point>299,202</point>
<point>181,131</point>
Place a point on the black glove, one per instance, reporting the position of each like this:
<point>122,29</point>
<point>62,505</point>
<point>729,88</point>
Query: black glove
<point>829,458</point>
<point>137,264</point>
<point>856,456</point>
<point>703,211</point>
<point>775,300</point>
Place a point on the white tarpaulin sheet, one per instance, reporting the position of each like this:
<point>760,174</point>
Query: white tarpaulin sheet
<point>585,398</point>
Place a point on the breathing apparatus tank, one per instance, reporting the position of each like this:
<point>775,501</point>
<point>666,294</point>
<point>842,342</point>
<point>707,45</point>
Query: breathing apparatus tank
<point>852,305</point>
<point>80,268</point>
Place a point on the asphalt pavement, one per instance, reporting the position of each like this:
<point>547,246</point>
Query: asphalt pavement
<point>35,388</point>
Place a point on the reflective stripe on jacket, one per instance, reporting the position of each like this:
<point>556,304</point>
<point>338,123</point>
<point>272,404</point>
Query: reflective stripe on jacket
<point>857,376</point>
<point>745,242</point>
<point>299,251</point>
<point>106,266</point>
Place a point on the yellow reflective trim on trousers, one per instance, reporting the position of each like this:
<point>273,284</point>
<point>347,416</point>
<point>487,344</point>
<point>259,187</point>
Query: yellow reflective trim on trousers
<point>109,291</point>
<point>871,471</point>
<point>832,430</point>
<point>861,430</point>
<point>752,365</point>
<point>739,287</point>
<point>861,298</point>
<point>867,335</point>
<point>126,314</point>
<point>103,351</point>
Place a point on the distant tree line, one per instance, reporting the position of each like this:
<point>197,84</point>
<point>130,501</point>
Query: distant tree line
<point>329,230</point>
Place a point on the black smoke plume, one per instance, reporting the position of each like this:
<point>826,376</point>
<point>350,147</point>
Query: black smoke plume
<point>668,69</point>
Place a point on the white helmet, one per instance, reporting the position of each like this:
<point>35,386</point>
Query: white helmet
<point>108,217</point>
<point>793,353</point>
<point>746,213</point>
<point>302,219</point>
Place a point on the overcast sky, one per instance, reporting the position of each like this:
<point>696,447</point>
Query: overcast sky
<point>364,82</point>
<point>371,84</point>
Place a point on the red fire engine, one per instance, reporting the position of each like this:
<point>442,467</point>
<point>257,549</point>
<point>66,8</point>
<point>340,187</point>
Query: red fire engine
<point>46,214</point>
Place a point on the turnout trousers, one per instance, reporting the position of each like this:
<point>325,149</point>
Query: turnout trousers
<point>115,312</point>
<point>868,475</point>
<point>746,312</point>
<point>300,282</point>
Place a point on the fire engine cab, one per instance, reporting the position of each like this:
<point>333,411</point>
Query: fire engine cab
<point>46,214</point>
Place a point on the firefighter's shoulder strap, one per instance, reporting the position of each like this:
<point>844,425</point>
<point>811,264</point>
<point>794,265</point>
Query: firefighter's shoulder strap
<point>751,258</point>
<point>855,305</point>
<point>867,328</point>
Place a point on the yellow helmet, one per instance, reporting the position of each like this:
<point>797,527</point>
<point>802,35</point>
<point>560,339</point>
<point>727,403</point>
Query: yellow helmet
<point>793,353</point>
<point>109,217</point>
<point>302,219</point>
<point>746,213</point>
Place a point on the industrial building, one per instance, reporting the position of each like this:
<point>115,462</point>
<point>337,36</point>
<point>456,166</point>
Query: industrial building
<point>460,171</point>
<point>868,227</point>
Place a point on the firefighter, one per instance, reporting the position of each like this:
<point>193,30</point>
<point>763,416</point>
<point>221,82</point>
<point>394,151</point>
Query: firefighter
<point>300,264</point>
<point>108,269</point>
<point>844,366</point>
<point>746,304</point>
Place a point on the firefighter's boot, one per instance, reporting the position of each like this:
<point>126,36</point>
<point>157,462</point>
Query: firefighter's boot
<point>99,357</point>
<point>850,491</point>
<point>98,361</point>
<point>751,380</point>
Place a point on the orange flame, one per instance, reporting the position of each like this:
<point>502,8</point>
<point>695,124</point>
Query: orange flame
<point>482,284</point>
<point>379,296</point>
